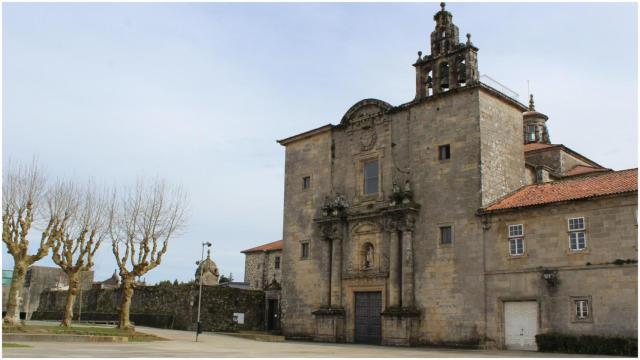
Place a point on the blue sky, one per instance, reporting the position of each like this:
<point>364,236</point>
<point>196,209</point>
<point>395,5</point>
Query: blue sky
<point>198,93</point>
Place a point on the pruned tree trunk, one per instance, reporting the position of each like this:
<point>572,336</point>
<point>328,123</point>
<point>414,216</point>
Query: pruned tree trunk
<point>74,285</point>
<point>12,318</point>
<point>127,294</point>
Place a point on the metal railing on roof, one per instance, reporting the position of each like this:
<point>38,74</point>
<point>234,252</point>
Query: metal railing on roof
<point>499,86</point>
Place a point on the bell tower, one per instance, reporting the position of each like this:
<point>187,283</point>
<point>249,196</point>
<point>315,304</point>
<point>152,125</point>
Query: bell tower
<point>535,125</point>
<point>450,64</point>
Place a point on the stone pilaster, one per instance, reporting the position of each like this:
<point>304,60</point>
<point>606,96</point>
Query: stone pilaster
<point>407,265</point>
<point>336,273</point>
<point>394,267</point>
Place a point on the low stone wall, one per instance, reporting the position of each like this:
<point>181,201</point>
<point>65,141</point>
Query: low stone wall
<point>166,306</point>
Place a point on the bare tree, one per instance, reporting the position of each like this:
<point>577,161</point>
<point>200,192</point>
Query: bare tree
<point>77,236</point>
<point>143,220</point>
<point>23,188</point>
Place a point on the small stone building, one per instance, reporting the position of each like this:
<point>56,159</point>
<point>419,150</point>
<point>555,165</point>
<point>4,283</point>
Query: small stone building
<point>262,271</point>
<point>208,270</point>
<point>39,279</point>
<point>452,219</point>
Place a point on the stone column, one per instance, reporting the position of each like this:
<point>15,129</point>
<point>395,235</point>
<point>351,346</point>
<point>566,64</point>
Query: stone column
<point>336,272</point>
<point>394,268</point>
<point>407,267</point>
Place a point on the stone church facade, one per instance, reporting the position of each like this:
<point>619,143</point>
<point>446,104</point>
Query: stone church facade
<point>452,219</point>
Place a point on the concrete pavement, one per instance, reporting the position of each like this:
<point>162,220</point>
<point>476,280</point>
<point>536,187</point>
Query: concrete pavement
<point>182,344</point>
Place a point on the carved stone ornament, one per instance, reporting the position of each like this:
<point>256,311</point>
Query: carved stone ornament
<point>368,139</point>
<point>330,231</point>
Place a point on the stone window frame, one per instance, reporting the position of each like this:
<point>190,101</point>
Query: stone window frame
<point>359,161</point>
<point>571,231</point>
<point>365,178</point>
<point>306,186</point>
<point>532,133</point>
<point>303,244</point>
<point>448,152</point>
<point>515,236</point>
<point>276,262</point>
<point>440,227</point>
<point>573,308</point>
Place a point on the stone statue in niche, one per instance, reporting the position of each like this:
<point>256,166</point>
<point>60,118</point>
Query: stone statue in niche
<point>408,193</point>
<point>368,256</point>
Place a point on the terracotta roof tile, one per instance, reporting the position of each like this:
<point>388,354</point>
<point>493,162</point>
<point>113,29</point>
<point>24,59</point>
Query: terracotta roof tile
<point>582,169</point>
<point>597,184</point>
<point>276,245</point>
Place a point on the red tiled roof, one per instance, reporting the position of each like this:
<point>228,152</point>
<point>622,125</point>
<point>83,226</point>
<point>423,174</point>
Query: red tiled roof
<point>538,146</point>
<point>598,184</point>
<point>582,169</point>
<point>276,245</point>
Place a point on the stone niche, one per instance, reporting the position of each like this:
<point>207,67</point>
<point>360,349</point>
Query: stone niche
<point>365,251</point>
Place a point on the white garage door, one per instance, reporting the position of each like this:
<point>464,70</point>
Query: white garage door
<point>521,325</point>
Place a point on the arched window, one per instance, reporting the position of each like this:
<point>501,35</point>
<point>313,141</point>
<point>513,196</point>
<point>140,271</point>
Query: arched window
<point>429,83</point>
<point>443,75</point>
<point>461,69</point>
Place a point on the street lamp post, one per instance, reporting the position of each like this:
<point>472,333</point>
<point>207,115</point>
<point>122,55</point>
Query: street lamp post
<point>199,263</point>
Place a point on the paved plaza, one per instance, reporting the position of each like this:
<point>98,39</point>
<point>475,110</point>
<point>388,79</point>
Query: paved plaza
<point>182,344</point>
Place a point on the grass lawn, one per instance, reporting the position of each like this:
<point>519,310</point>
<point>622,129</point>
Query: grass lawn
<point>14,345</point>
<point>80,330</point>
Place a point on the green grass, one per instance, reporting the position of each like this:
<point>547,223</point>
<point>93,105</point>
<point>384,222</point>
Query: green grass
<point>80,330</point>
<point>14,345</point>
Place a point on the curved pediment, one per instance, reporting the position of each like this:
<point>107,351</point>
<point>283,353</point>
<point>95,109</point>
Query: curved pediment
<point>364,109</point>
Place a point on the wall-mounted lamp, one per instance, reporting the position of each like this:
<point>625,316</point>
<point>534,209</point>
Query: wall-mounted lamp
<point>551,277</point>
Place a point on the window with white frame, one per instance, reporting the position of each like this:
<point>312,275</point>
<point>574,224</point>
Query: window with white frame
<point>582,311</point>
<point>516,240</point>
<point>577,236</point>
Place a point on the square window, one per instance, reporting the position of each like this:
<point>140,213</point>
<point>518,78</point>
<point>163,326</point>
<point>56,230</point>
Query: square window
<point>306,182</point>
<point>304,254</point>
<point>277,262</point>
<point>578,240</point>
<point>582,310</point>
<point>516,230</point>
<point>370,170</point>
<point>516,246</point>
<point>445,235</point>
<point>576,224</point>
<point>444,152</point>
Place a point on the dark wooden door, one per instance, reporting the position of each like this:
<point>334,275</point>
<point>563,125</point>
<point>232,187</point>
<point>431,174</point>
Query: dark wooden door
<point>273,315</point>
<point>368,322</point>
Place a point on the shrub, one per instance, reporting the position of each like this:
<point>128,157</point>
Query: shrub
<point>587,344</point>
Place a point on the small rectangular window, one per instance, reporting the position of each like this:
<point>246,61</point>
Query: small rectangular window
<point>578,240</point>
<point>277,262</point>
<point>577,235</point>
<point>445,235</point>
<point>531,132</point>
<point>516,246</point>
<point>306,182</point>
<point>582,309</point>
<point>305,250</point>
<point>444,152</point>
<point>516,230</point>
<point>516,240</point>
<point>576,224</point>
<point>370,170</point>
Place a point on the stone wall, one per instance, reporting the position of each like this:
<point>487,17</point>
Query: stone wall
<point>259,268</point>
<point>173,305</point>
